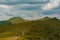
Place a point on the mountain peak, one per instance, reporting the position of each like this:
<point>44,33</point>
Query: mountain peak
<point>16,20</point>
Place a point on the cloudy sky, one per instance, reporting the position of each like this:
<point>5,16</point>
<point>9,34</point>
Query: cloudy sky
<point>29,9</point>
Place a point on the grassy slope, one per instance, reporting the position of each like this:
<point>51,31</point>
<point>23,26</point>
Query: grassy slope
<point>44,29</point>
<point>16,20</point>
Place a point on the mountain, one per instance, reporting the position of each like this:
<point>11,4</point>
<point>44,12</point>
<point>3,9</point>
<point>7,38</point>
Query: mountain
<point>16,20</point>
<point>42,29</point>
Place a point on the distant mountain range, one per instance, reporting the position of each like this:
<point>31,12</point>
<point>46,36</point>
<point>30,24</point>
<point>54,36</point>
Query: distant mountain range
<point>42,29</point>
<point>17,20</point>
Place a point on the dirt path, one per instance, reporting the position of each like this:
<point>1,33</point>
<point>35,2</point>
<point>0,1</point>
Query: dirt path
<point>14,38</point>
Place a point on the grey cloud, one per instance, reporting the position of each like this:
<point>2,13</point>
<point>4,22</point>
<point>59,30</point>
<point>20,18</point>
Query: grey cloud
<point>12,2</point>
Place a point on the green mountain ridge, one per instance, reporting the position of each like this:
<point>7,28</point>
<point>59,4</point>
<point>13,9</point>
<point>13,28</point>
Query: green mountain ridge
<point>16,20</point>
<point>42,29</point>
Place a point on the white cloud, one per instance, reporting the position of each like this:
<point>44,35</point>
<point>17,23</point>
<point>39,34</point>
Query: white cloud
<point>51,5</point>
<point>5,6</point>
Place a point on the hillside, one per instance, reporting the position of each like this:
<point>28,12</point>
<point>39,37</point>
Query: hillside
<point>16,20</point>
<point>43,29</point>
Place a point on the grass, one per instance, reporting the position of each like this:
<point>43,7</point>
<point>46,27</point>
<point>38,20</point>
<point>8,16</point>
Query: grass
<point>5,38</point>
<point>44,29</point>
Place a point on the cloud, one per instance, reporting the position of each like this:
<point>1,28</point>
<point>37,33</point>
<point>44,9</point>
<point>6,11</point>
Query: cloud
<point>4,18</point>
<point>54,15</point>
<point>30,14</point>
<point>8,11</point>
<point>5,6</point>
<point>29,9</point>
<point>52,4</point>
<point>53,11</point>
<point>13,2</point>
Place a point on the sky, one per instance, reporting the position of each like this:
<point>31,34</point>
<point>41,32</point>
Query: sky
<point>29,9</point>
